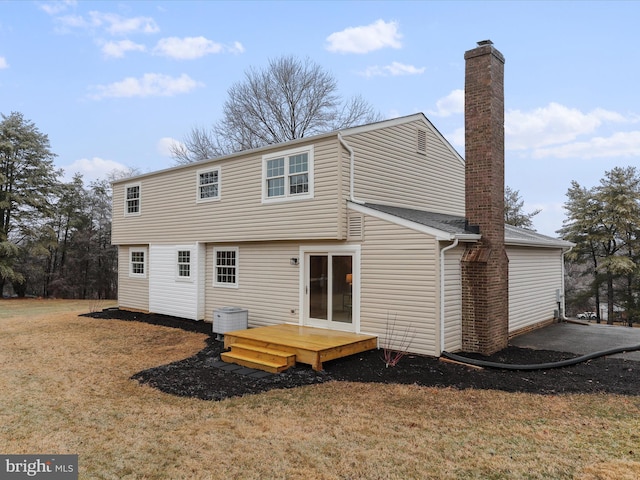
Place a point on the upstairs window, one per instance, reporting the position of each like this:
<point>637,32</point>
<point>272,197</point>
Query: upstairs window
<point>288,175</point>
<point>184,264</point>
<point>208,185</point>
<point>132,199</point>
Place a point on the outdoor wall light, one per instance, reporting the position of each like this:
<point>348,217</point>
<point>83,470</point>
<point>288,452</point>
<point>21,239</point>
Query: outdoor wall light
<point>293,260</point>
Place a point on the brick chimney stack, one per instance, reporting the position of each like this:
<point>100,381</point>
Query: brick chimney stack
<point>485,269</point>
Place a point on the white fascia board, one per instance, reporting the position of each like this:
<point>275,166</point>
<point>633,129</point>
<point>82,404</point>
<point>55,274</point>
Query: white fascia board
<point>434,232</point>
<point>529,243</point>
<point>209,163</point>
<point>382,124</point>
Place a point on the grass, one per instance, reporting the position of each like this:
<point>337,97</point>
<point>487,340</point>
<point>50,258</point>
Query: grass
<point>66,389</point>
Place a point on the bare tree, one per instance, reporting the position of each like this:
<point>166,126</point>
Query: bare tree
<point>289,99</point>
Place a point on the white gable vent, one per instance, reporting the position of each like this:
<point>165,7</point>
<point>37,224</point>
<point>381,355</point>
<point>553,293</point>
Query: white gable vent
<point>355,227</point>
<point>422,141</point>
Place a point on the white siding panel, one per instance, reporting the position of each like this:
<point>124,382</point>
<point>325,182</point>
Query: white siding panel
<point>168,294</point>
<point>133,293</point>
<point>535,274</point>
<point>398,286</point>
<point>453,300</point>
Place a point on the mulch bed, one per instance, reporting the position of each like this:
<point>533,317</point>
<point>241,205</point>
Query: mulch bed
<point>200,376</point>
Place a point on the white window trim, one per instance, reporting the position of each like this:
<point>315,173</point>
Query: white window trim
<point>287,197</point>
<point>211,199</point>
<point>215,267</point>
<point>126,201</point>
<point>145,251</point>
<point>191,256</point>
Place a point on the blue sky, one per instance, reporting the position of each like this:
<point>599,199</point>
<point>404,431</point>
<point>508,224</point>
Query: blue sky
<point>113,83</point>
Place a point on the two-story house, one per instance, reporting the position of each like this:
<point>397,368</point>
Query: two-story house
<point>348,230</point>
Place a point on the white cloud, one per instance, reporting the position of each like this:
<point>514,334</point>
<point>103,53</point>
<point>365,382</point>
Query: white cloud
<point>456,138</point>
<point>3,63</point>
<point>189,48</point>
<point>150,85</point>
<point>69,22</point>
<point>117,25</point>
<point>394,69</point>
<point>54,8</point>
<point>449,105</point>
<point>165,145</point>
<point>111,23</point>
<point>364,39</point>
<point>620,144</point>
<point>92,169</point>
<point>118,49</point>
<point>553,124</point>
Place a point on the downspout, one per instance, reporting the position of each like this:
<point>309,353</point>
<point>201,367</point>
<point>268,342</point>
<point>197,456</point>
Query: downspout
<point>442,312</point>
<point>561,314</point>
<point>352,166</point>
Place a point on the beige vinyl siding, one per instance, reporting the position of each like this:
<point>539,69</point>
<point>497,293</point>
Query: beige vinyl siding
<point>268,284</point>
<point>399,285</point>
<point>453,300</point>
<point>170,213</point>
<point>389,169</point>
<point>535,274</point>
<point>133,293</point>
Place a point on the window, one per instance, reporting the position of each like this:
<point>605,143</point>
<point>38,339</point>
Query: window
<point>137,262</point>
<point>184,264</point>
<point>225,267</point>
<point>208,185</point>
<point>288,175</point>
<point>132,199</point>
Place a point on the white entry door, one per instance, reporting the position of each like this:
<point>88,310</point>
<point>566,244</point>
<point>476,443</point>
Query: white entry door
<point>330,296</point>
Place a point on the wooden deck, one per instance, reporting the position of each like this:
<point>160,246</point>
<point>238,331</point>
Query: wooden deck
<point>278,347</point>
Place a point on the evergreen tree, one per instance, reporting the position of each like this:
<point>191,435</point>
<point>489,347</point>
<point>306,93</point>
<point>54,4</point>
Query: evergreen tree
<point>513,210</point>
<point>28,181</point>
<point>604,223</point>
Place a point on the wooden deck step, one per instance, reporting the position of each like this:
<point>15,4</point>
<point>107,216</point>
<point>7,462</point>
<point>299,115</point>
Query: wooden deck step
<point>310,345</point>
<point>258,357</point>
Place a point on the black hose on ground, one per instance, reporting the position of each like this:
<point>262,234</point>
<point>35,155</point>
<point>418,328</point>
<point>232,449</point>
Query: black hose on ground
<point>538,366</point>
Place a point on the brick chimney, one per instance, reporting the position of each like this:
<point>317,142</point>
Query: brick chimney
<point>485,269</point>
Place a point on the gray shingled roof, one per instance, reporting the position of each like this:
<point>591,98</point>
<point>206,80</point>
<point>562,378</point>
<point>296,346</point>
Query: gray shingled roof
<point>522,236</point>
<point>445,223</point>
<point>457,225</point>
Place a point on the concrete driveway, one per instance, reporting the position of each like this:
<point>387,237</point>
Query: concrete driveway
<point>581,339</point>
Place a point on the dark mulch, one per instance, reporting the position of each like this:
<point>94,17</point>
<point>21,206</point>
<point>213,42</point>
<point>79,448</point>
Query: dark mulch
<point>200,376</point>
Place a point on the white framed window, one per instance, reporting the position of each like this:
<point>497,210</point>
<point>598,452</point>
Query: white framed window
<point>288,175</point>
<point>138,262</point>
<point>132,198</point>
<point>225,267</point>
<point>208,185</point>
<point>183,264</point>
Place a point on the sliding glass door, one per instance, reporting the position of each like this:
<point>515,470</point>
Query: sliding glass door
<point>329,290</point>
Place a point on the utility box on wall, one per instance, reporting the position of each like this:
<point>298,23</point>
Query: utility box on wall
<point>227,319</point>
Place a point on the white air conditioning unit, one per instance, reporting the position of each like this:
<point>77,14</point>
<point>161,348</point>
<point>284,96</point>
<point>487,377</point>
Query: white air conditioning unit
<point>227,319</point>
